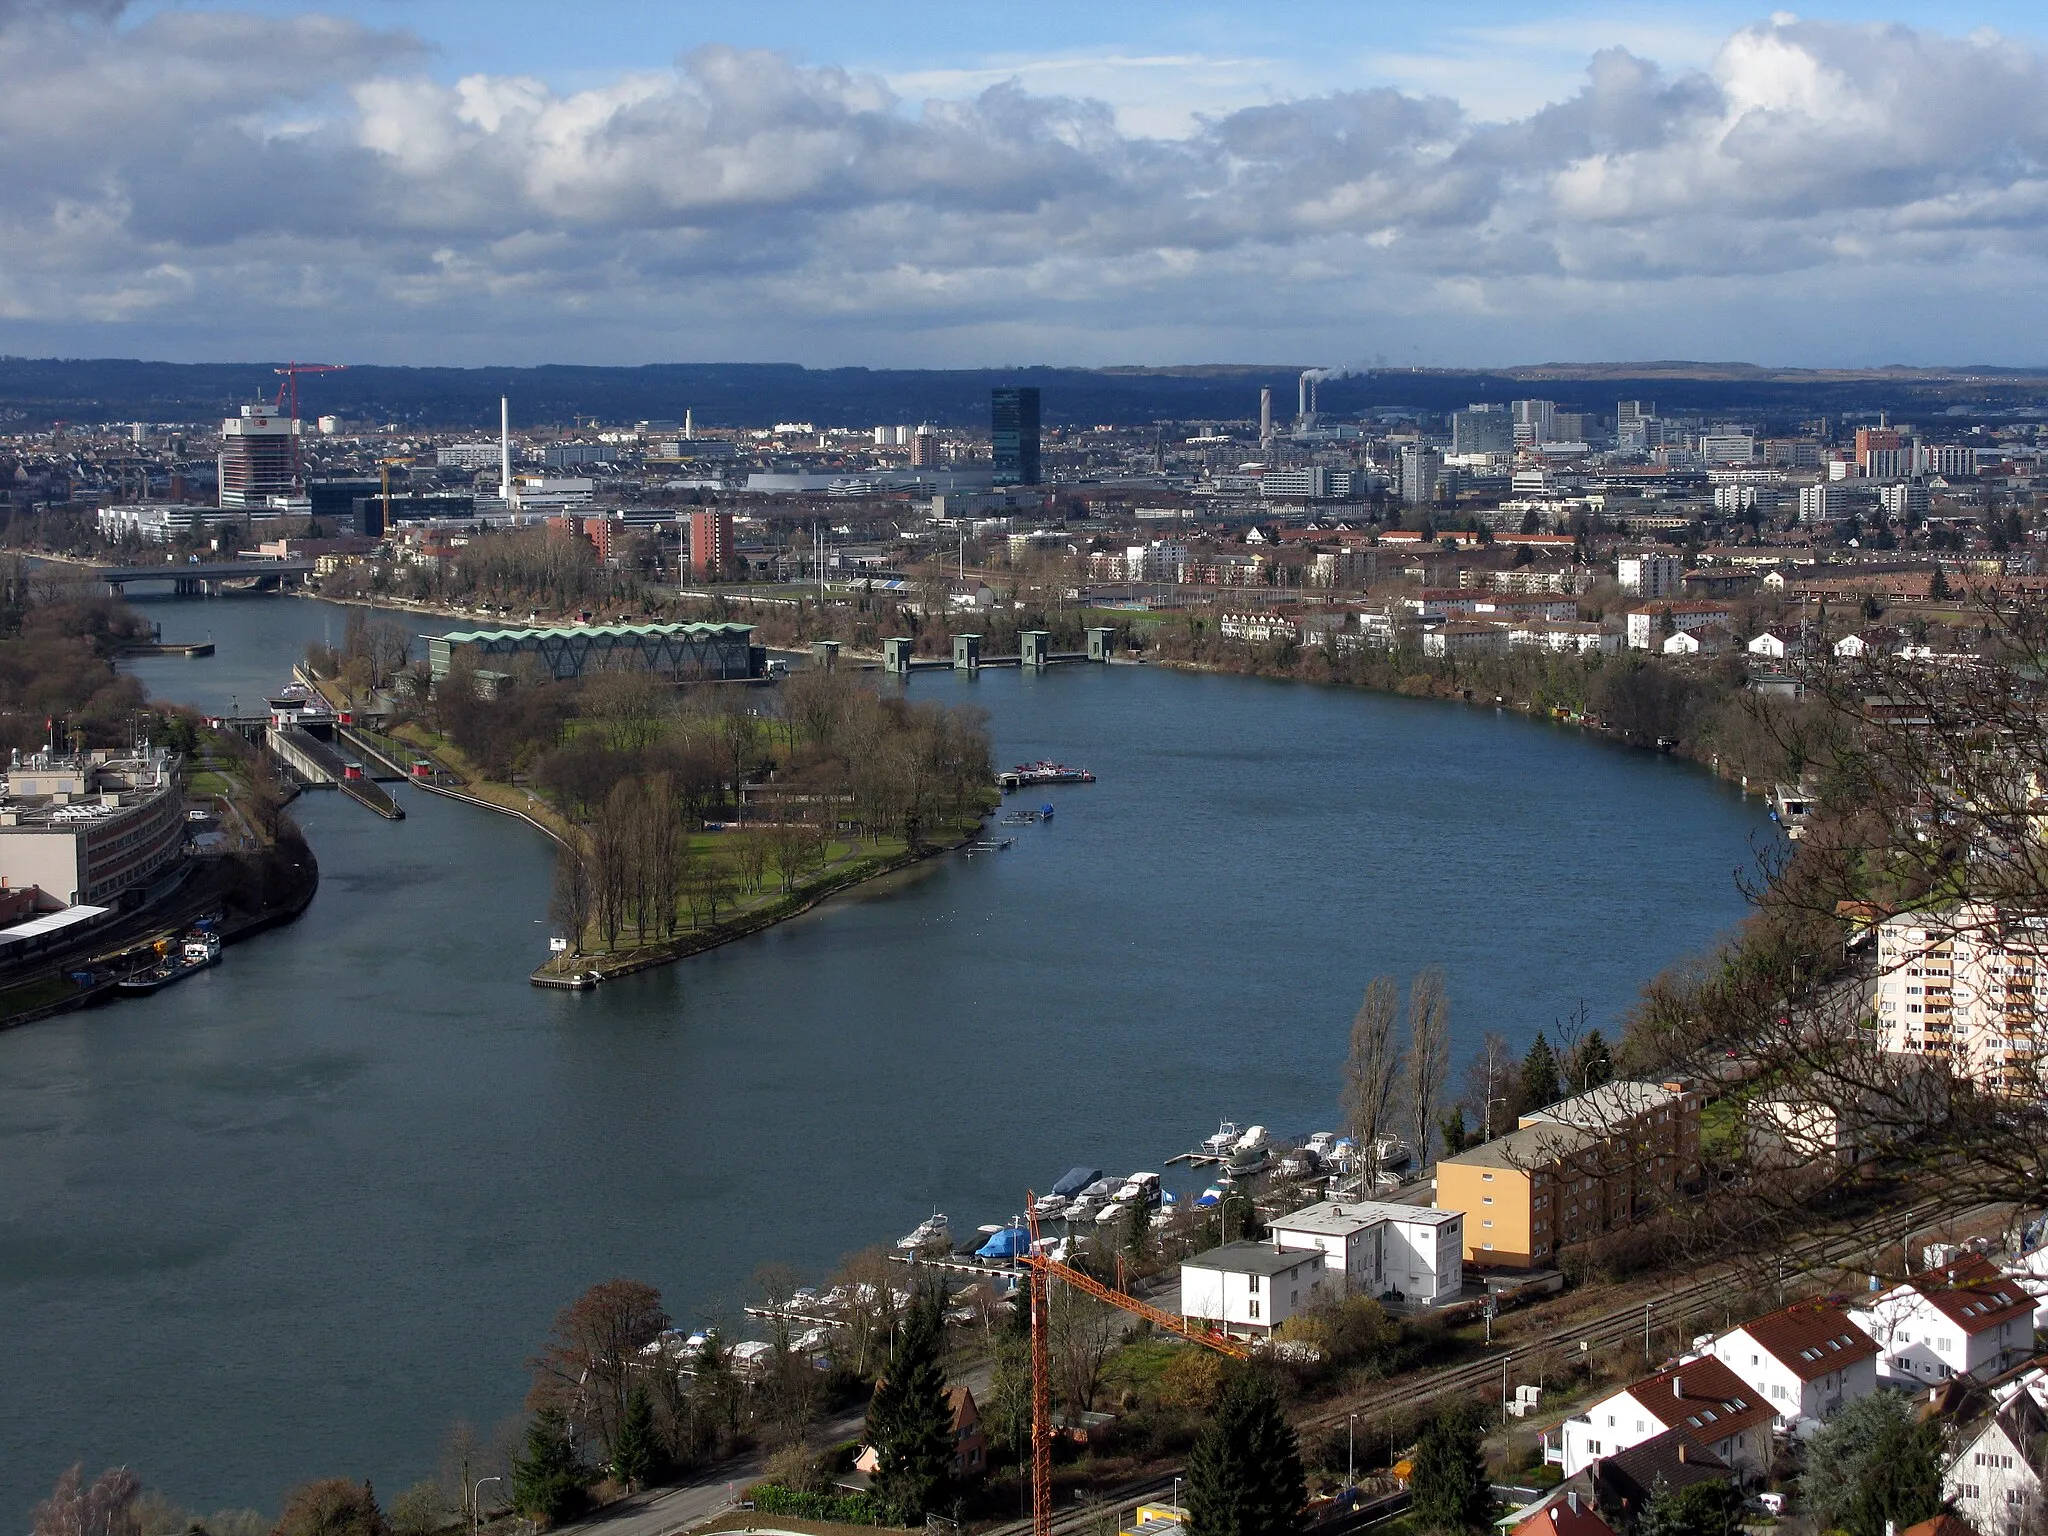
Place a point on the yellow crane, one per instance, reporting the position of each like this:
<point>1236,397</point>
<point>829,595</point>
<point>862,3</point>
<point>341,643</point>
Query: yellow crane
<point>1042,1271</point>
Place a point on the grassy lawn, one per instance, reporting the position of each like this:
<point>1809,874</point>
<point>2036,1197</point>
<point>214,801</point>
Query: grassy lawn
<point>208,782</point>
<point>36,994</point>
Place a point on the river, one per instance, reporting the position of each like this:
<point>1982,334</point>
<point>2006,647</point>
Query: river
<point>294,1217</point>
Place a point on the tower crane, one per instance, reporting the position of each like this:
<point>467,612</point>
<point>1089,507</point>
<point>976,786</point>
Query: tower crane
<point>1042,1271</point>
<point>291,372</point>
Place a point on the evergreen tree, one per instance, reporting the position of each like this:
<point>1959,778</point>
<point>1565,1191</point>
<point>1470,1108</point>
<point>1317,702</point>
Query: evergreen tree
<point>910,1423</point>
<point>1538,1084</point>
<point>1456,1137</point>
<point>1901,1481</point>
<point>637,1454</point>
<point>1449,1486</point>
<point>547,1480</point>
<point>1244,1474</point>
<point>1596,1062</point>
<point>1137,1228</point>
<point>1703,1509</point>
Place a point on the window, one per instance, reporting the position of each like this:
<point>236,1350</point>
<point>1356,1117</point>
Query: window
<point>1252,1310</point>
<point>1486,1199</point>
<point>1253,1283</point>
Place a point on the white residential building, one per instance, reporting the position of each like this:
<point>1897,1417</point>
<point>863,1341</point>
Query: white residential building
<point>1644,625</point>
<point>1964,1319</point>
<point>1958,986</point>
<point>1406,1252</point>
<point>1249,1289</point>
<point>1563,635</point>
<point>1701,1397</point>
<point>1995,1479</point>
<point>1651,575</point>
<point>1464,639</point>
<point>1772,646</point>
<point>1805,1360</point>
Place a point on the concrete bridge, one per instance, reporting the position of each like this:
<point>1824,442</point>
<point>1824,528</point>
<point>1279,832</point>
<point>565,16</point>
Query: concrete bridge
<point>205,580</point>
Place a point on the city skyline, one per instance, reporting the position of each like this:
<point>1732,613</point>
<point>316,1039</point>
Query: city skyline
<point>438,184</point>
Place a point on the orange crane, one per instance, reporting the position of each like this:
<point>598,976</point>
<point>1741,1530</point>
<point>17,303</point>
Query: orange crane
<point>291,372</point>
<point>1043,1270</point>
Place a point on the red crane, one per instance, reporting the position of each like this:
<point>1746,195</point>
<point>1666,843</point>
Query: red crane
<point>291,372</point>
<point>1042,1272</point>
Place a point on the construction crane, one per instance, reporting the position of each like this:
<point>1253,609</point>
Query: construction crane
<point>1043,1270</point>
<point>384,474</point>
<point>291,372</point>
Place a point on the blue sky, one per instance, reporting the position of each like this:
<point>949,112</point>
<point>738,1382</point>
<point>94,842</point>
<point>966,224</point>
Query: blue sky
<point>453,181</point>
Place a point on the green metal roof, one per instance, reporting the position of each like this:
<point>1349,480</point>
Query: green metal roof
<point>586,631</point>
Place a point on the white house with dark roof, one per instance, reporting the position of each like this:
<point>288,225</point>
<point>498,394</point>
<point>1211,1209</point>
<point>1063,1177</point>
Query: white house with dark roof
<point>1805,1360</point>
<point>1249,1289</point>
<point>1963,1319</point>
<point>1700,1397</point>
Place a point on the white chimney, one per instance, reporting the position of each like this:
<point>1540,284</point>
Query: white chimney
<point>689,427</point>
<point>505,448</point>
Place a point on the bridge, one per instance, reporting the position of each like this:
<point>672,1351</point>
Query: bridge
<point>206,580</point>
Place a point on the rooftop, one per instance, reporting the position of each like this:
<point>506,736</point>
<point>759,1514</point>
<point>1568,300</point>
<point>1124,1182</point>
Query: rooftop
<point>1811,1338</point>
<point>1608,1106</point>
<point>1253,1259</point>
<point>1341,1218</point>
<point>1704,1398</point>
<point>1529,1147</point>
<point>594,631</point>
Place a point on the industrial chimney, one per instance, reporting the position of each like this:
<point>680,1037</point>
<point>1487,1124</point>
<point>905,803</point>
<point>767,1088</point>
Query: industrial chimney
<point>1265,416</point>
<point>505,449</point>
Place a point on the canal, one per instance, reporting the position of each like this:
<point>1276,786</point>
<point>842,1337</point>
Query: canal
<point>294,1217</point>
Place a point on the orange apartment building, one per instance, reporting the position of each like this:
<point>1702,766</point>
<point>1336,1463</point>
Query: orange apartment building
<point>1587,1165</point>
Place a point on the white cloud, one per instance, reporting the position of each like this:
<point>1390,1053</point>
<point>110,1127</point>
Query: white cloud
<point>222,184</point>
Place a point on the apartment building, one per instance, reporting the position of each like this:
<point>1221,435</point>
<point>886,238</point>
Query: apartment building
<point>1806,1360</point>
<point>1645,624</point>
<point>1958,987</point>
<point>1587,1165</point>
<point>1964,1319</point>
<point>1700,1398</point>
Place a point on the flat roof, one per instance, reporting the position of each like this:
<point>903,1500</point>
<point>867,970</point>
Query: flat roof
<point>1605,1107</point>
<point>591,631</point>
<point>1253,1259</point>
<point>51,922</point>
<point>1341,1218</point>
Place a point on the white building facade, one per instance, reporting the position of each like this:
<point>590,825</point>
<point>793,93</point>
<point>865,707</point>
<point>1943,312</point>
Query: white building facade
<point>1249,1289</point>
<point>1401,1252</point>
<point>1965,1319</point>
<point>1806,1361</point>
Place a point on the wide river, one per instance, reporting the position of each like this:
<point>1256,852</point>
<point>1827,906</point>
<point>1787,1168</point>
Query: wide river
<point>294,1217</point>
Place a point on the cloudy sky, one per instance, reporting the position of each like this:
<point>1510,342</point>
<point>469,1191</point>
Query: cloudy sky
<point>818,181</point>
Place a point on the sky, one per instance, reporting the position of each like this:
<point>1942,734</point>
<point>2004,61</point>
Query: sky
<point>472,182</point>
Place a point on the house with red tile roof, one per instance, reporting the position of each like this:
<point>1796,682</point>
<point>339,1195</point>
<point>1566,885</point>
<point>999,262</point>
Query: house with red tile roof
<point>1701,1398</point>
<point>1963,1319</point>
<point>1805,1360</point>
<point>1567,1513</point>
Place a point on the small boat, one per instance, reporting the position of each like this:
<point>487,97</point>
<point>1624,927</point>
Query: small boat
<point>1254,1136</point>
<point>1044,771</point>
<point>932,1230</point>
<point>1225,1138</point>
<point>1247,1161</point>
<point>1322,1143</point>
<point>1141,1188</point>
<point>1075,1180</point>
<point>1111,1213</point>
<point>1213,1195</point>
<point>200,948</point>
<point>1045,811</point>
<point>1049,1207</point>
<point>1084,1208</point>
<point>1300,1163</point>
<point>1392,1151</point>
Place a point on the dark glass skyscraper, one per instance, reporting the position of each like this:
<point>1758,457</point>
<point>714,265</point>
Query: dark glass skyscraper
<point>1013,424</point>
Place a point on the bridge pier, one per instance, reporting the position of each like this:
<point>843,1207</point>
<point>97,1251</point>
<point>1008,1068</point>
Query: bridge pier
<point>825,655</point>
<point>967,653</point>
<point>1101,644</point>
<point>896,654</point>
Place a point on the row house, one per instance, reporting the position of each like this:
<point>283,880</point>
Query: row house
<point>1456,639</point>
<point>1258,628</point>
<point>1700,1398</point>
<point>1806,1360</point>
<point>1571,635</point>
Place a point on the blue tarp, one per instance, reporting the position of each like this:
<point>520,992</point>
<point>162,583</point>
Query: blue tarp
<point>1006,1244</point>
<point>1075,1180</point>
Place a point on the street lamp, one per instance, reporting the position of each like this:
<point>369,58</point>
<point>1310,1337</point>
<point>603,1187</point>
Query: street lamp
<point>1351,1451</point>
<point>476,1502</point>
<point>1486,1117</point>
<point>1646,1332</point>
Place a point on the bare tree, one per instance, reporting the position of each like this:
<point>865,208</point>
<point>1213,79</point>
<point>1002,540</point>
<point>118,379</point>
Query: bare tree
<point>569,905</point>
<point>586,1370</point>
<point>105,1507</point>
<point>664,850</point>
<point>1428,1065</point>
<point>1371,1069</point>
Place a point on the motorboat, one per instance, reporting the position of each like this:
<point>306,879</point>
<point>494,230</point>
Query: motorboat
<point>1300,1163</point>
<point>1392,1151</point>
<point>1248,1160</point>
<point>1102,1189</point>
<point>1049,1207</point>
<point>1225,1138</point>
<point>931,1231</point>
<point>1140,1187</point>
<point>1254,1136</point>
<point>1211,1196</point>
<point>1074,1180</point>
<point>1084,1207</point>
<point>1112,1213</point>
<point>1321,1143</point>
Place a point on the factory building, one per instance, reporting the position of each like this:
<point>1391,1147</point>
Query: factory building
<point>680,652</point>
<point>90,829</point>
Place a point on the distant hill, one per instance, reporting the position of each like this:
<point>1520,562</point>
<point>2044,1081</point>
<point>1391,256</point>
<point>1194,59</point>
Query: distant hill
<point>35,392</point>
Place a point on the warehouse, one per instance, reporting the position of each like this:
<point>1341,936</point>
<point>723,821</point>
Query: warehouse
<point>683,652</point>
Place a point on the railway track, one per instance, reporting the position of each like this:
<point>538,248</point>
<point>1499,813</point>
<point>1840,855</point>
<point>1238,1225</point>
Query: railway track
<point>1608,1328</point>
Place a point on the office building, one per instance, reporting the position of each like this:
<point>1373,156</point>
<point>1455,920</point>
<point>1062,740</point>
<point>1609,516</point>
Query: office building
<point>1013,432</point>
<point>259,458</point>
<point>1482,429</point>
<point>1535,422</point>
<point>90,829</point>
<point>1881,453</point>
<point>711,546</point>
<point>924,448</point>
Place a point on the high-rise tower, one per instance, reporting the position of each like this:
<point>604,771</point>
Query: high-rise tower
<point>1013,430</point>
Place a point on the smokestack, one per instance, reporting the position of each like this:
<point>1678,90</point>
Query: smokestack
<point>505,448</point>
<point>689,427</point>
<point>1266,415</point>
<point>1302,388</point>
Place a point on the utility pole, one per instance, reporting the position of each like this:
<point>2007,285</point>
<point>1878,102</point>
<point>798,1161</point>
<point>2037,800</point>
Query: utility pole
<point>1350,1457</point>
<point>1646,1333</point>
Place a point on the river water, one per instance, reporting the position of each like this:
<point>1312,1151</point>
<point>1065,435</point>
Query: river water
<point>295,1216</point>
